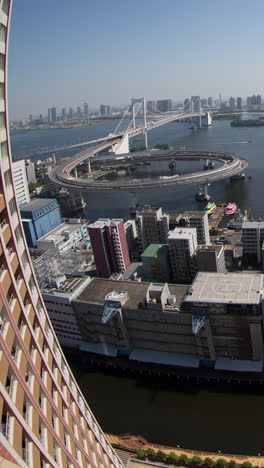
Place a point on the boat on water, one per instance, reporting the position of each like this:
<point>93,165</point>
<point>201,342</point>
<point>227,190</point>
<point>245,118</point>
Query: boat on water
<point>172,164</point>
<point>210,208</point>
<point>231,208</point>
<point>238,176</point>
<point>209,164</point>
<point>200,196</point>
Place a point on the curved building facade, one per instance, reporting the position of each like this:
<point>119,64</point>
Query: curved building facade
<point>45,420</point>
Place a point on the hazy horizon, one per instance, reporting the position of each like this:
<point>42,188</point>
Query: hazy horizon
<point>66,53</point>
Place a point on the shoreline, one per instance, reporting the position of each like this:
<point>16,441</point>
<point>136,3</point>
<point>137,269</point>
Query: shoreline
<point>133,443</point>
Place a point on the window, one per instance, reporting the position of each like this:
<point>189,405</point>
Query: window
<point>2,62</point>
<point>7,177</point>
<point>2,33</point>
<point>5,6</point>
<point>12,206</point>
<point>4,144</point>
<point>2,114</point>
<point>18,233</point>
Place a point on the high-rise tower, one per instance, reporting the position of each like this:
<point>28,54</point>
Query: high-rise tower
<point>45,420</point>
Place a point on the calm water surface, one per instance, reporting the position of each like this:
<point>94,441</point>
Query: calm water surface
<point>196,418</point>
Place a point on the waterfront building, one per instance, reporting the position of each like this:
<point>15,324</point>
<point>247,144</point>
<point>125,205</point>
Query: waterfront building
<point>53,115</point>
<point>152,227</point>
<point>252,241</point>
<point>20,181</point>
<point>164,105</point>
<point>85,109</point>
<point>211,258</point>
<point>49,115</point>
<point>63,113</point>
<point>57,299</point>
<point>70,115</point>
<point>258,100</point>
<point>45,420</point>
<point>109,246</point>
<point>239,103</point>
<point>156,263</point>
<point>232,103</point>
<point>198,220</point>
<point>39,217</point>
<point>64,237</point>
<point>176,325</point>
<point>105,110</point>
<point>182,248</point>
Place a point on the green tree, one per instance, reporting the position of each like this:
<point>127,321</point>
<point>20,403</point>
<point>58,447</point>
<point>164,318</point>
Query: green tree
<point>196,460</point>
<point>172,457</point>
<point>233,464</point>
<point>246,465</point>
<point>151,452</point>
<point>141,454</point>
<point>221,463</point>
<point>209,462</point>
<point>161,455</point>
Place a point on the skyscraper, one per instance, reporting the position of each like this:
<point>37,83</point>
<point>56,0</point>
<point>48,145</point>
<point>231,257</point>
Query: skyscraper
<point>45,420</point>
<point>109,245</point>
<point>53,115</point>
<point>152,227</point>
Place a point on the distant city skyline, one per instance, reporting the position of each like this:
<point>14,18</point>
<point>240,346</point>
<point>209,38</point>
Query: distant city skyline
<point>108,52</point>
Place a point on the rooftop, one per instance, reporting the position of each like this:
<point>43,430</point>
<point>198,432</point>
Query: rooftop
<point>152,250</point>
<point>253,225</point>
<point>102,222</point>
<point>37,204</point>
<point>182,233</point>
<point>194,214</point>
<point>58,231</point>
<point>98,288</point>
<point>236,288</point>
<point>206,248</point>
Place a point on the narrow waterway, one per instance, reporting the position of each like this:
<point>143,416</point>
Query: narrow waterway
<point>229,419</point>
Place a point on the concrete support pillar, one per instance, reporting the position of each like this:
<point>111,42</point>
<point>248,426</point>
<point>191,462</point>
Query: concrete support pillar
<point>210,341</point>
<point>256,340</point>
<point>200,114</point>
<point>133,115</point>
<point>75,173</point>
<point>145,122</point>
<point>88,165</point>
<point>123,328</point>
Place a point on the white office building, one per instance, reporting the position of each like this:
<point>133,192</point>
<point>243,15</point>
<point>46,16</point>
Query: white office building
<point>20,182</point>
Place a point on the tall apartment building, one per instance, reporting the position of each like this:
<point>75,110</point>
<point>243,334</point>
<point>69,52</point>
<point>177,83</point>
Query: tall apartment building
<point>45,420</point>
<point>182,247</point>
<point>164,105</point>
<point>152,227</point>
<point>105,109</point>
<point>20,182</point>
<point>211,258</point>
<point>109,246</point>
<point>252,239</point>
<point>198,220</point>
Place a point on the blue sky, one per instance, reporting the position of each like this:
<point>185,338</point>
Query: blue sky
<point>66,52</point>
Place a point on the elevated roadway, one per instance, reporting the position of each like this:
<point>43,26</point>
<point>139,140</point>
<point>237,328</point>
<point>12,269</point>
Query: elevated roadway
<point>171,117</point>
<point>230,164</point>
